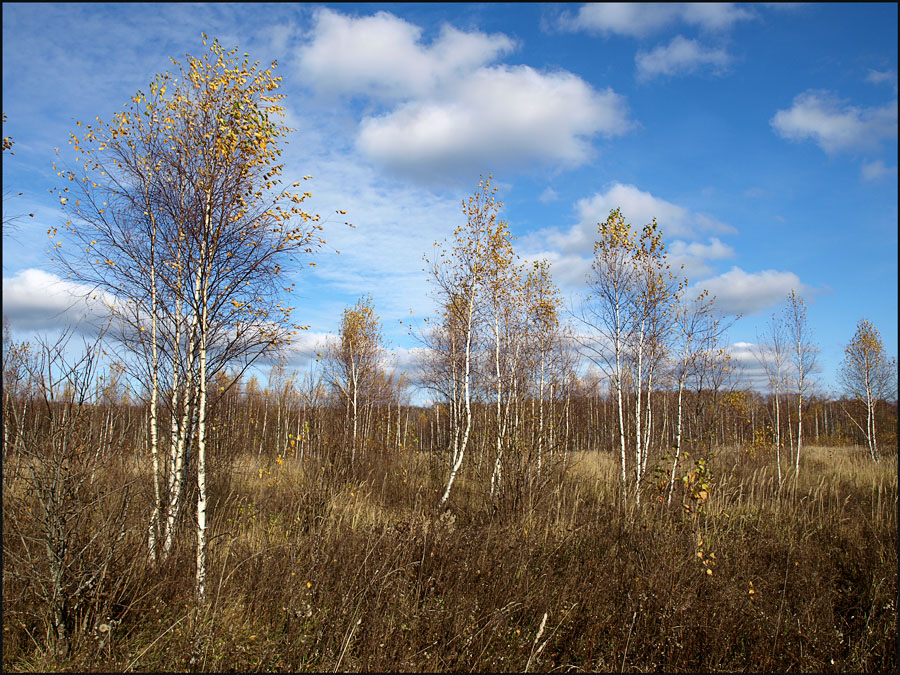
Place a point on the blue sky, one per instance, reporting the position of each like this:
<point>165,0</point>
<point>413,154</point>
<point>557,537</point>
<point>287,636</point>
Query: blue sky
<point>762,137</point>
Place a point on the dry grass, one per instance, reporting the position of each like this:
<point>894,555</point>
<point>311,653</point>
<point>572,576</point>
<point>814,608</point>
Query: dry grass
<point>317,566</point>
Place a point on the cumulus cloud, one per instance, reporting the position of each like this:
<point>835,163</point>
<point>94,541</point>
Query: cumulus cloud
<point>567,270</point>
<point>680,57</point>
<point>36,300</point>
<point>621,18</point>
<point>693,256</point>
<point>834,124</point>
<point>446,108</point>
<point>740,292</point>
<point>639,208</point>
<point>383,56</point>
<point>642,19</point>
<point>498,116</point>
<point>570,250</point>
<point>714,15</point>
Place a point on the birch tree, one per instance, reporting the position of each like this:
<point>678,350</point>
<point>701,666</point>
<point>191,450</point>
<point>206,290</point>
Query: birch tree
<point>354,361</point>
<point>655,294</point>
<point>177,213</point>
<point>604,312</point>
<point>630,309</point>
<point>804,353</point>
<point>458,274</point>
<point>543,304</point>
<point>868,376</point>
<point>696,332</point>
<point>503,288</point>
<point>771,353</point>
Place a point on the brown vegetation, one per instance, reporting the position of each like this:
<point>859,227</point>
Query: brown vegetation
<point>317,565</point>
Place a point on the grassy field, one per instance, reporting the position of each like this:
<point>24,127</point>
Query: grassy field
<point>317,567</point>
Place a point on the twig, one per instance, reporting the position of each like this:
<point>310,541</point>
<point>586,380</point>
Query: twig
<point>627,640</point>
<point>536,638</point>
<point>147,648</point>
<point>787,567</point>
<point>347,643</point>
<point>549,637</point>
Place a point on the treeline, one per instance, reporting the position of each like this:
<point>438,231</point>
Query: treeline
<point>301,416</point>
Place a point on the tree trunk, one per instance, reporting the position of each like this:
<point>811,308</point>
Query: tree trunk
<point>201,422</point>
<point>466,394</point>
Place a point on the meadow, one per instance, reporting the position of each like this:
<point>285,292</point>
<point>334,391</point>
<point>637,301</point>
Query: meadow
<point>319,566</point>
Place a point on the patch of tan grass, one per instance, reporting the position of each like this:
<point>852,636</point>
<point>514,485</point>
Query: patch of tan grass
<point>603,467</point>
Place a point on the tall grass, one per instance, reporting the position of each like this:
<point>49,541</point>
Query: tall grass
<point>317,566</point>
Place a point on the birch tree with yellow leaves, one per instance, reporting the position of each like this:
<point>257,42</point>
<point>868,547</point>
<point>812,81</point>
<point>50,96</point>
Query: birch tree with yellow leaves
<point>459,273</point>
<point>772,353</point>
<point>696,332</point>
<point>629,313</point>
<point>656,293</point>
<point>868,376</point>
<point>611,286</point>
<point>178,212</point>
<point>503,285</point>
<point>542,304</point>
<point>354,361</point>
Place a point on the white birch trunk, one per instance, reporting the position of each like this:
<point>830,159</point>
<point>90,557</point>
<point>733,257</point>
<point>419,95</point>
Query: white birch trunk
<point>466,394</point>
<point>677,436</point>
<point>540,445</point>
<point>154,393</point>
<point>201,422</point>
<point>618,385</point>
<point>638,447</point>
<point>495,474</point>
<point>799,409</point>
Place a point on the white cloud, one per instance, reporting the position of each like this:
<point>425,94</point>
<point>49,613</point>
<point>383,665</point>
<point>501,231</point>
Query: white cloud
<point>445,110</point>
<point>693,256</point>
<point>37,300</point>
<point>642,19</point>
<point>834,124</point>
<point>568,271</point>
<point>638,208</point>
<point>497,117</point>
<point>681,56</point>
<point>622,18</point>
<point>877,170</point>
<point>714,15</point>
<point>383,56</point>
<point>882,77</point>
<point>740,292</point>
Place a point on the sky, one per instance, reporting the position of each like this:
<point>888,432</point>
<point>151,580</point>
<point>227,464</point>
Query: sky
<point>763,139</point>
